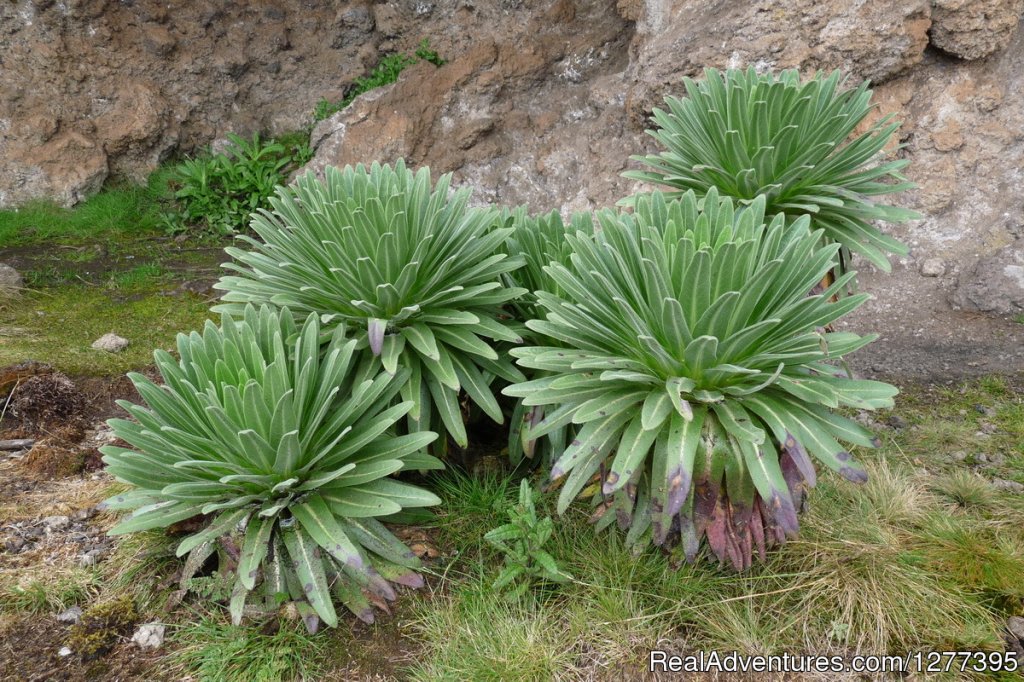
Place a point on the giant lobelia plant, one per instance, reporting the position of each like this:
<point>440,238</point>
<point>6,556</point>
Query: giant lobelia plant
<point>284,451</point>
<point>414,273</point>
<point>538,241</point>
<point>748,134</point>
<point>697,374</point>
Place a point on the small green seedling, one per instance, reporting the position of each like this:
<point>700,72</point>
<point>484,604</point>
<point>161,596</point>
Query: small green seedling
<point>522,542</point>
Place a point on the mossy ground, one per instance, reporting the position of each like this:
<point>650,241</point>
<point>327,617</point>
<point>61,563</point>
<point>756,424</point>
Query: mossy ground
<point>58,325</point>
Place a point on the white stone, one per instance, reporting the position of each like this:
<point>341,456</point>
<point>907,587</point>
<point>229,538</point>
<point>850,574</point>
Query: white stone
<point>10,280</point>
<point>56,522</point>
<point>149,636</point>
<point>112,343</point>
<point>933,267</point>
<point>72,615</point>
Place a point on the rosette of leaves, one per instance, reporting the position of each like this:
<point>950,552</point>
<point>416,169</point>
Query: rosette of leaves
<point>696,371</point>
<point>748,135</point>
<point>414,273</point>
<point>283,453</point>
<point>538,241</point>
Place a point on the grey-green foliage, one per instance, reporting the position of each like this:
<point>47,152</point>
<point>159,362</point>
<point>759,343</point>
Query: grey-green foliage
<point>748,135</point>
<point>286,451</point>
<point>697,371</point>
<point>410,269</point>
<point>539,241</point>
<point>522,542</point>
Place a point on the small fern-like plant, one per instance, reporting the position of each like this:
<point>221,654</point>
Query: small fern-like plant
<point>415,275</point>
<point>697,373</point>
<point>522,541</point>
<point>285,454</point>
<point>748,135</point>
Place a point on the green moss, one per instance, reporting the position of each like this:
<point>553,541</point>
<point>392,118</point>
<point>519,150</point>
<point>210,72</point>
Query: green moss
<point>101,626</point>
<point>59,325</point>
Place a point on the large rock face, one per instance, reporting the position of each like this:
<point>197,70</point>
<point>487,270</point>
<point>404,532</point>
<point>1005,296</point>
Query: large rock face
<point>542,103</point>
<point>96,88</point>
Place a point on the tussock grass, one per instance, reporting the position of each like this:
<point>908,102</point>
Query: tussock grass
<point>925,556</point>
<point>47,591</point>
<point>471,505</point>
<point>141,567</point>
<point>476,634</point>
<point>965,489</point>
<point>210,648</point>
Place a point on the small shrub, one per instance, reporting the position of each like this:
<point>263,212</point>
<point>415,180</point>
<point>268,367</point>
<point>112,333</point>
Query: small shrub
<point>283,454</point>
<point>411,271</point>
<point>522,542</point>
<point>220,191</point>
<point>748,135</point>
<point>385,73</point>
<point>696,371</point>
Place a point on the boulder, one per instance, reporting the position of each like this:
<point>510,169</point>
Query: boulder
<point>876,40</point>
<point>995,284</point>
<point>522,117</point>
<point>972,29</point>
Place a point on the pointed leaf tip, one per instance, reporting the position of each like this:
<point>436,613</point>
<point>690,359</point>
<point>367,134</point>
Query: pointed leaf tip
<point>375,329</point>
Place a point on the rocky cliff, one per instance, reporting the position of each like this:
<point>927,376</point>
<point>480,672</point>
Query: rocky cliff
<point>542,103</point>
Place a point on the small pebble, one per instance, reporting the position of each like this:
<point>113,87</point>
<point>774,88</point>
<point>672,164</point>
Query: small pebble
<point>56,522</point>
<point>64,651</point>
<point>72,615</point>
<point>897,422</point>
<point>149,636</point>
<point>1015,625</point>
<point>112,343</point>
<point>90,558</point>
<point>14,545</point>
<point>933,267</point>
<point>84,514</point>
<point>1008,486</point>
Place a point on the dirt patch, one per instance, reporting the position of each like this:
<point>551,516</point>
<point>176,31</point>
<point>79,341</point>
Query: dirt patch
<point>103,263</point>
<point>56,458</point>
<point>47,402</point>
<point>30,650</point>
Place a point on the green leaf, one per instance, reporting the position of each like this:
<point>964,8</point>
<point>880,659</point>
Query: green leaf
<point>310,571</point>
